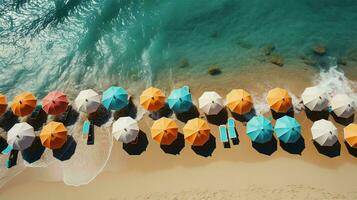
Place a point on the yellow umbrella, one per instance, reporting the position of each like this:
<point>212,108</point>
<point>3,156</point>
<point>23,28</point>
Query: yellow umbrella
<point>350,135</point>
<point>239,101</point>
<point>3,104</point>
<point>164,131</point>
<point>24,104</point>
<point>279,100</point>
<point>53,135</point>
<point>197,132</point>
<point>152,99</point>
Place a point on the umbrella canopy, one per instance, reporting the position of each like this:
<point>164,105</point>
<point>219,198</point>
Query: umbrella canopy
<point>125,129</point>
<point>3,104</point>
<point>55,103</point>
<point>350,135</point>
<point>21,136</point>
<point>180,100</point>
<point>324,132</point>
<point>279,100</point>
<point>24,104</point>
<point>115,98</point>
<point>164,131</point>
<point>152,99</point>
<point>53,135</point>
<point>211,103</point>
<point>259,129</point>
<point>287,129</point>
<point>87,101</point>
<point>239,101</point>
<point>314,99</point>
<point>342,105</point>
<point>197,132</point>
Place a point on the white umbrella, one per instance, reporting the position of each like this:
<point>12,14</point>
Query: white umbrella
<point>21,136</point>
<point>88,101</point>
<point>342,105</point>
<point>315,99</point>
<point>211,103</point>
<point>125,129</point>
<point>324,133</point>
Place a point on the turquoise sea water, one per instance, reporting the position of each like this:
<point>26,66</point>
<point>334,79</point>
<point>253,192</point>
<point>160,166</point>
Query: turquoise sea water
<point>61,44</point>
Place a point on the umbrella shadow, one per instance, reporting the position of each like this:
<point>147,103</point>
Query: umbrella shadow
<point>220,118</point>
<point>163,112</point>
<point>38,120</point>
<point>3,144</point>
<point>316,115</point>
<point>351,150</point>
<point>8,120</point>
<point>207,149</point>
<point>331,152</point>
<point>245,117</point>
<point>66,151</point>
<point>34,152</point>
<point>190,114</point>
<point>69,117</point>
<point>343,121</point>
<point>294,148</point>
<point>129,110</point>
<point>277,115</point>
<point>176,146</point>
<point>267,148</point>
<point>137,147</point>
<point>100,117</point>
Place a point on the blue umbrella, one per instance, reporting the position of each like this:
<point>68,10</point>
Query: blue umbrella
<point>180,100</point>
<point>287,129</point>
<point>115,98</point>
<point>259,129</point>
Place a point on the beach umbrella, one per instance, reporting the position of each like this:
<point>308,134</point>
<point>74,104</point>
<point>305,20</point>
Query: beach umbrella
<point>350,135</point>
<point>196,132</point>
<point>21,136</point>
<point>239,101</point>
<point>3,104</point>
<point>279,100</point>
<point>342,105</point>
<point>55,103</point>
<point>152,99</point>
<point>115,98</point>
<point>259,129</point>
<point>180,100</point>
<point>125,129</point>
<point>287,129</point>
<point>164,131</point>
<point>53,135</point>
<point>315,99</point>
<point>324,132</point>
<point>24,104</point>
<point>87,101</point>
<point>211,103</point>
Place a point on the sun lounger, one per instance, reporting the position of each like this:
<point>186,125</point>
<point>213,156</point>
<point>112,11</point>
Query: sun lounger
<point>12,161</point>
<point>7,150</point>
<point>223,134</point>
<point>231,129</point>
<point>86,128</point>
<point>90,139</point>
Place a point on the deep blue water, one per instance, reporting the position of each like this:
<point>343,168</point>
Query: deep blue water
<point>57,44</point>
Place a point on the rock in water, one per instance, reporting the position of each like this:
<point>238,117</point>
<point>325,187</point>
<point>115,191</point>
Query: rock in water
<point>277,60</point>
<point>184,63</point>
<point>268,49</point>
<point>319,50</point>
<point>214,71</point>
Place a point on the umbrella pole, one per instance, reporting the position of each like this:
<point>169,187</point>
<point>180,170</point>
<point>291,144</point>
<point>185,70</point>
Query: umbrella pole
<point>12,161</point>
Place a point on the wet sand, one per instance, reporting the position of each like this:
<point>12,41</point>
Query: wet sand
<point>239,172</point>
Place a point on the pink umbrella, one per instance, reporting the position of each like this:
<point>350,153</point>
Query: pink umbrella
<point>55,103</point>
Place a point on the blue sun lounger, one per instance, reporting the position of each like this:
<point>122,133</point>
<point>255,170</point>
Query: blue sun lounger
<point>86,128</point>
<point>231,129</point>
<point>223,134</point>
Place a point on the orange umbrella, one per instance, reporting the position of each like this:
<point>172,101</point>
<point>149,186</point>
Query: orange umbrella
<point>3,104</point>
<point>53,135</point>
<point>164,131</point>
<point>350,135</point>
<point>196,131</point>
<point>152,99</point>
<point>239,101</point>
<point>24,104</point>
<point>279,100</point>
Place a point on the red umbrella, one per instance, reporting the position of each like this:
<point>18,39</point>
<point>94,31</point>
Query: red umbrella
<point>55,103</point>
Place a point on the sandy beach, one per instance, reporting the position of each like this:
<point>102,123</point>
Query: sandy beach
<point>242,171</point>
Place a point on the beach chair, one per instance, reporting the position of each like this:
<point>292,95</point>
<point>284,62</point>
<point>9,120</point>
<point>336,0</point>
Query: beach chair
<point>90,139</point>
<point>232,133</point>
<point>223,135</point>
<point>7,150</point>
<point>12,161</point>
<point>86,129</point>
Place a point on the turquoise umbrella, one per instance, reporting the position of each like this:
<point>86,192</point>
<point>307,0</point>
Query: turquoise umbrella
<point>180,100</point>
<point>287,129</point>
<point>259,129</point>
<point>115,98</point>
